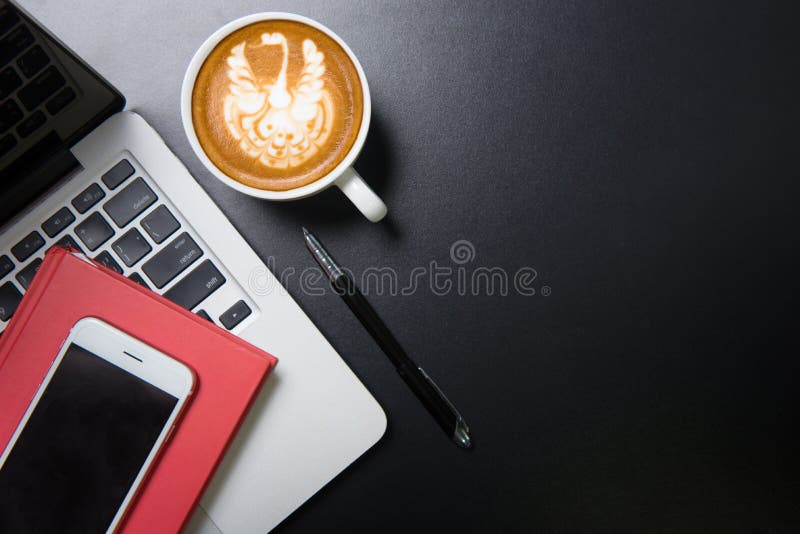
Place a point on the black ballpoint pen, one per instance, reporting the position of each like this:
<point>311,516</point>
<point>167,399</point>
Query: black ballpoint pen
<point>420,383</point>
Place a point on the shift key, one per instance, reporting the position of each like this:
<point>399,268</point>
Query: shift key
<point>172,260</point>
<point>196,286</point>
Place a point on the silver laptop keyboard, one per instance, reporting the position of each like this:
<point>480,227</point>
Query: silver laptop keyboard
<point>124,222</point>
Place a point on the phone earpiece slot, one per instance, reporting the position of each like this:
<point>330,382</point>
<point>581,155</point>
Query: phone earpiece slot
<point>126,353</point>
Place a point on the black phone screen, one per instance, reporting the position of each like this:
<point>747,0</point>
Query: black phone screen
<point>82,447</point>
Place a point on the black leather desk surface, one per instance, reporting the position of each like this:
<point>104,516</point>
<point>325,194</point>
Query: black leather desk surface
<point>641,157</point>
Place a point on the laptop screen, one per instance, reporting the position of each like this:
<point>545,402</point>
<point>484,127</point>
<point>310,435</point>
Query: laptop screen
<point>49,100</point>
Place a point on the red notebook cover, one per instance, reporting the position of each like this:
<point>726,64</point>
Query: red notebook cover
<point>229,373</point>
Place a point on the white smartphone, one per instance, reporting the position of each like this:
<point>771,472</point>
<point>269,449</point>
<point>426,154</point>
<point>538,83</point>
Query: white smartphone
<point>97,422</point>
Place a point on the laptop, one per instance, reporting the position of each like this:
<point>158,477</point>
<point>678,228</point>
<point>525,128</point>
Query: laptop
<point>78,170</point>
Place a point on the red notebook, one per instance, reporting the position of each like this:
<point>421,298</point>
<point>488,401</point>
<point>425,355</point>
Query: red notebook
<point>229,373</point>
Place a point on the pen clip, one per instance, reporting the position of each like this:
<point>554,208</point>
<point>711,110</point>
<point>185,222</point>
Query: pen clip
<point>444,398</point>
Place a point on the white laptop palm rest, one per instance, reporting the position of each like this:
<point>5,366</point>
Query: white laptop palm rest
<point>277,460</point>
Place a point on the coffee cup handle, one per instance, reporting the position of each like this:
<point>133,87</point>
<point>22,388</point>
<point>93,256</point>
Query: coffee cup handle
<point>360,194</point>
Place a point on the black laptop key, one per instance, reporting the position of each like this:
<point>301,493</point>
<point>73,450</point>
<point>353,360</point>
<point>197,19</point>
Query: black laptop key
<point>67,241</point>
<point>15,43</point>
<point>9,81</point>
<point>29,244</point>
<point>25,276</point>
<point>235,315</point>
<point>60,100</point>
<point>160,224</point>
<point>56,223</point>
<point>6,265</point>
<point>172,260</point>
<point>136,277</point>
<point>130,202</point>
<point>118,174</point>
<point>10,114</point>
<point>131,247</point>
<point>8,18</point>
<point>9,300</point>
<point>196,286</point>
<point>104,258</point>
<point>31,124</point>
<point>41,88</point>
<point>88,198</point>
<point>7,142</point>
<point>204,314</point>
<point>33,61</point>
<point>94,231</point>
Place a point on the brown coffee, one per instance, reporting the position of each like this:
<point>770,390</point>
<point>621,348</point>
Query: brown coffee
<point>277,105</point>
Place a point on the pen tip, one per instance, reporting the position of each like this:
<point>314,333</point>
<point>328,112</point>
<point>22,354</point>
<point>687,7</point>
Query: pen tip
<point>305,232</point>
<point>461,435</point>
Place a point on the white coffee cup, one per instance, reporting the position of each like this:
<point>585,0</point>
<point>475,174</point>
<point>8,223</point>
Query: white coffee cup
<point>344,176</point>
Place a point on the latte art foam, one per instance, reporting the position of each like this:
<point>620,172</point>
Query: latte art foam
<point>277,105</point>
<point>279,125</point>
